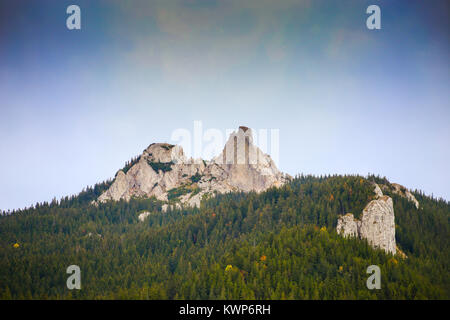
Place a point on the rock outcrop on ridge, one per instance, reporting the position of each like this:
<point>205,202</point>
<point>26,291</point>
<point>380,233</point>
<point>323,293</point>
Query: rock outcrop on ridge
<point>165,172</point>
<point>402,191</point>
<point>377,223</point>
<point>143,215</point>
<point>348,226</point>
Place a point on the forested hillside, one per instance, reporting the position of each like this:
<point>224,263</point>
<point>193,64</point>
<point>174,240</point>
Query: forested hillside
<point>279,244</point>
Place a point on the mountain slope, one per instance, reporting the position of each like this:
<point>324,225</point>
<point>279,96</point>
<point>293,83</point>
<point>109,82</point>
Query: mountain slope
<point>163,171</point>
<point>280,243</point>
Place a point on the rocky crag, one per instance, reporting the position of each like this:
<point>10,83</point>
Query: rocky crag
<point>401,191</point>
<point>377,223</point>
<point>163,171</point>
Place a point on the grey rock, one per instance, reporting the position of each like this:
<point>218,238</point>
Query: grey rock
<point>377,191</point>
<point>162,167</point>
<point>402,191</point>
<point>143,215</point>
<point>348,226</point>
<point>377,224</point>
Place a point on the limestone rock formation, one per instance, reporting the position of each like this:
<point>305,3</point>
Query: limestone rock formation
<point>377,224</point>
<point>164,171</point>
<point>244,166</point>
<point>165,207</point>
<point>401,191</point>
<point>143,215</point>
<point>378,191</point>
<point>348,226</point>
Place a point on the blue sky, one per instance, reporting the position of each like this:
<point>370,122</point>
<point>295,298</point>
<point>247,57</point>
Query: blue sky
<point>75,105</point>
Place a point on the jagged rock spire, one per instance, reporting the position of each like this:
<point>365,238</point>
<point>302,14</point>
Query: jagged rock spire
<point>163,171</point>
<point>377,224</point>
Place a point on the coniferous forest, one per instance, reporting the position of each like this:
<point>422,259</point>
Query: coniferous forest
<point>279,244</point>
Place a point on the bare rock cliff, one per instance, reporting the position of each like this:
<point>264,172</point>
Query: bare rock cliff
<point>164,171</point>
<point>377,223</point>
<point>348,226</point>
<point>402,191</point>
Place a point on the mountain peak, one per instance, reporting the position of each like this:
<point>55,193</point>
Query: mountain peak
<point>164,171</point>
<point>164,152</point>
<point>243,128</point>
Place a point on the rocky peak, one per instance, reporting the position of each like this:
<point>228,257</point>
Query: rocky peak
<point>164,153</point>
<point>377,224</point>
<point>348,226</point>
<point>404,192</point>
<point>248,168</point>
<point>377,191</point>
<point>239,148</point>
<point>164,171</point>
<point>397,189</point>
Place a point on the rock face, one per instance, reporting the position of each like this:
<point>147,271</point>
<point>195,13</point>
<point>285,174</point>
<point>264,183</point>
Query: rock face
<point>378,191</point>
<point>164,171</point>
<point>143,215</point>
<point>244,166</point>
<point>402,191</point>
<point>348,226</point>
<point>377,223</point>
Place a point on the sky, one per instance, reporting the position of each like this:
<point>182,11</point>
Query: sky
<point>75,105</point>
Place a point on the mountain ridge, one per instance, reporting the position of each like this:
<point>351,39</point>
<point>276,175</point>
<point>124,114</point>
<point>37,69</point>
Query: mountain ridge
<point>163,171</point>
<point>279,243</point>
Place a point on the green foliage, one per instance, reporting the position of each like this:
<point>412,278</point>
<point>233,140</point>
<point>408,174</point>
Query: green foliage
<point>130,163</point>
<point>163,166</point>
<point>196,177</point>
<point>167,146</point>
<point>275,243</point>
<point>177,192</point>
